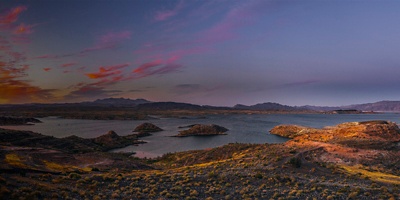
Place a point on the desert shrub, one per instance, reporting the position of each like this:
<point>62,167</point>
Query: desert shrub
<point>212,174</point>
<point>295,162</point>
<point>74,176</point>
<point>352,195</point>
<point>258,175</point>
<point>194,193</point>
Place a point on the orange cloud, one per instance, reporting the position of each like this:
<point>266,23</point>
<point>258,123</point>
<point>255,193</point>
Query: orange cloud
<point>47,69</point>
<point>13,90</point>
<point>23,29</point>
<point>107,71</point>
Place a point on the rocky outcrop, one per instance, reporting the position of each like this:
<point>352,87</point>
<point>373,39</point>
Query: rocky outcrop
<point>112,140</point>
<point>368,134</point>
<point>147,128</point>
<point>291,131</point>
<point>72,144</point>
<point>188,126</point>
<point>203,130</point>
<point>10,121</point>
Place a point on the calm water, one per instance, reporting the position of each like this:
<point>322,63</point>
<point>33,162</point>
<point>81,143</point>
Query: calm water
<point>242,129</point>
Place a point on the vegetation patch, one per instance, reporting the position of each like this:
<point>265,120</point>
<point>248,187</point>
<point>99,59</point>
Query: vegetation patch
<point>15,160</point>
<point>374,176</point>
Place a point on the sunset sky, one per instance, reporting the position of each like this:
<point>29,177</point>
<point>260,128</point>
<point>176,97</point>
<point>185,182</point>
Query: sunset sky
<point>200,51</point>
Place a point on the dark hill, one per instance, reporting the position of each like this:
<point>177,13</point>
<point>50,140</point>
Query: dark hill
<point>268,106</point>
<point>119,102</point>
<point>168,106</point>
<point>382,106</point>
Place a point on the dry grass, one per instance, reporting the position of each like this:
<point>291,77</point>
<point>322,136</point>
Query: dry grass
<point>15,160</point>
<point>374,176</point>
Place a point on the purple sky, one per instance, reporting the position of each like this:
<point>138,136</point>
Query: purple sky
<point>199,51</point>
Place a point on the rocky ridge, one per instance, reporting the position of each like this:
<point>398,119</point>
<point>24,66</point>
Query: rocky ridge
<point>11,121</point>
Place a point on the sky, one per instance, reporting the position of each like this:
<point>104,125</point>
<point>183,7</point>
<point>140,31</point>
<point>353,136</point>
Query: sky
<point>206,52</point>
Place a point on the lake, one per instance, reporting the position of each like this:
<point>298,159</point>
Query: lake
<point>242,129</point>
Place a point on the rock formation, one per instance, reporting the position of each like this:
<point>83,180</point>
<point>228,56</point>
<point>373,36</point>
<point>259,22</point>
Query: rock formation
<point>10,121</point>
<point>368,134</point>
<point>146,129</point>
<point>203,130</point>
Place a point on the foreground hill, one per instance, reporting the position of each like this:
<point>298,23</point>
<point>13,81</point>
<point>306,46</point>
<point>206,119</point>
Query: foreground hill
<point>340,162</point>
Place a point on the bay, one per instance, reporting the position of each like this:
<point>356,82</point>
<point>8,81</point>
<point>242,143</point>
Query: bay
<point>242,129</point>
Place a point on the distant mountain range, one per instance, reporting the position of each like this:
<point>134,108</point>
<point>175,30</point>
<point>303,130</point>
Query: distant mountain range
<point>120,102</point>
<point>381,106</point>
<point>143,104</point>
<point>269,106</point>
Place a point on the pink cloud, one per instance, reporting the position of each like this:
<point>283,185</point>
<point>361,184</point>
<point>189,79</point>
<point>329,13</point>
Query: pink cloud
<point>147,66</point>
<point>115,37</point>
<point>68,64</point>
<point>47,69</point>
<point>166,14</point>
<point>12,15</point>
<point>45,56</point>
<point>156,67</point>
<point>240,16</point>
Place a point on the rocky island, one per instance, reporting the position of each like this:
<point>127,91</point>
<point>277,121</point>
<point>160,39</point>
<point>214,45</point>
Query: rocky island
<point>146,129</point>
<point>203,130</point>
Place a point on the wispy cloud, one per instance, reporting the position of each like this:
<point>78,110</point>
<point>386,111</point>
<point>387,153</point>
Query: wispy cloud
<point>47,69</point>
<point>68,64</point>
<point>109,41</point>
<point>108,71</point>
<point>45,56</point>
<point>241,15</point>
<point>156,67</point>
<point>166,14</point>
<point>86,92</point>
<point>12,15</point>
<point>23,29</point>
<point>147,66</point>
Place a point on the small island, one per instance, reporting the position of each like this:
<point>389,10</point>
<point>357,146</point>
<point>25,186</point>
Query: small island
<point>203,130</point>
<point>146,129</point>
